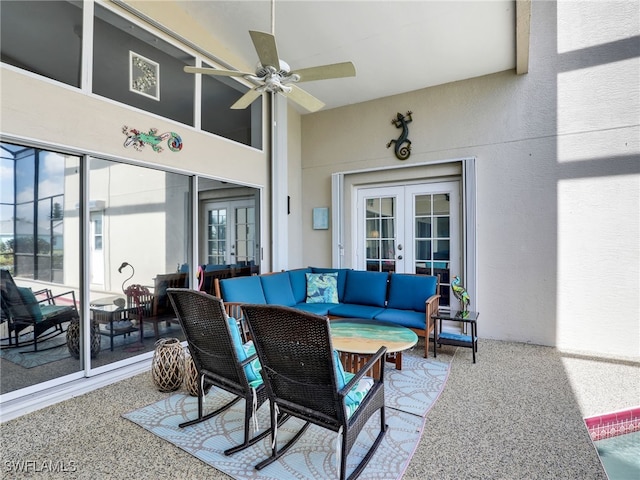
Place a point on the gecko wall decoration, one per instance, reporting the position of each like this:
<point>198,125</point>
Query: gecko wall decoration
<point>401,121</point>
<point>139,139</point>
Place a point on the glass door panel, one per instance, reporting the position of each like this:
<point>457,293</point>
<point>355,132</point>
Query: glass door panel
<point>40,259</point>
<point>140,239</point>
<point>379,222</point>
<point>217,236</point>
<point>231,243</point>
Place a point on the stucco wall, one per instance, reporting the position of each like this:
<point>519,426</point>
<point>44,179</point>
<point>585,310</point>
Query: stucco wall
<point>558,160</point>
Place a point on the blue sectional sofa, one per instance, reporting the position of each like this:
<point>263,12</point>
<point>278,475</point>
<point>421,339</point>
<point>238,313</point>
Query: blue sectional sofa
<point>404,299</point>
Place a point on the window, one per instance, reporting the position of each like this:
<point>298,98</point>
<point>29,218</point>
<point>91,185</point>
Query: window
<point>26,33</point>
<point>130,65</point>
<point>218,94</point>
<point>117,42</point>
<point>33,215</point>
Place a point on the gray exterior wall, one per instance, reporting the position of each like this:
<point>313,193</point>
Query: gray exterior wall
<point>558,160</point>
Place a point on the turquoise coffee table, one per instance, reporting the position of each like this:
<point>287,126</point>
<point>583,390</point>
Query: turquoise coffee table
<point>358,339</point>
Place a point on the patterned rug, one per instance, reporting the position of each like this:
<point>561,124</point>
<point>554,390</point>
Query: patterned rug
<point>410,394</point>
<point>54,349</point>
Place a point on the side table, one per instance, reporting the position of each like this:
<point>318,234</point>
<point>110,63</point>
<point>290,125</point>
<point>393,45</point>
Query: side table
<point>111,315</point>
<point>456,339</point>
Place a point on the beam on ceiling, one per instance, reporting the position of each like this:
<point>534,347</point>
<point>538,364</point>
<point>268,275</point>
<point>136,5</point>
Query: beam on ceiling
<point>523,33</point>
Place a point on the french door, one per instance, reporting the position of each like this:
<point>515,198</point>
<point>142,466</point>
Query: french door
<point>230,233</point>
<point>410,229</point>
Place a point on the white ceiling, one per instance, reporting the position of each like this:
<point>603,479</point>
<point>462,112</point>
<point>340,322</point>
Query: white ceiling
<point>396,46</point>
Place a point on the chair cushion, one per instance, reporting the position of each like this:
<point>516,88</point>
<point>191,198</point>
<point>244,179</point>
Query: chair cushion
<point>298,279</point>
<point>31,303</point>
<point>366,288</point>
<point>404,318</point>
<point>353,399</point>
<point>243,290</point>
<point>342,278</point>
<point>322,287</point>
<point>349,310</point>
<point>410,292</point>
<point>51,311</point>
<point>243,351</point>
<point>277,289</point>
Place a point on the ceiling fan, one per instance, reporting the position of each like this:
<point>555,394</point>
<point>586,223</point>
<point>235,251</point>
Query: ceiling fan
<point>274,75</point>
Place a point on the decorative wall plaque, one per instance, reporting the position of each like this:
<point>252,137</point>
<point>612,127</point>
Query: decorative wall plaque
<point>144,76</point>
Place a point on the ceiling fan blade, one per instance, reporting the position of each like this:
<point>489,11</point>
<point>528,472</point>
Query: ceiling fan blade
<point>215,71</point>
<point>322,72</point>
<point>304,99</point>
<point>246,100</point>
<point>265,45</point>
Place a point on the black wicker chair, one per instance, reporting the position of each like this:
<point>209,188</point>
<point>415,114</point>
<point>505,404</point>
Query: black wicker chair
<point>302,378</point>
<point>36,312</point>
<point>211,344</point>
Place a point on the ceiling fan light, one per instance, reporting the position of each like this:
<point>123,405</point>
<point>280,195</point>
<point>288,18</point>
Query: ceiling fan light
<point>292,78</point>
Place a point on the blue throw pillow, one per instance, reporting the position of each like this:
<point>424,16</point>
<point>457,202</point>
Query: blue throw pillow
<point>30,303</point>
<point>322,288</point>
<point>252,369</point>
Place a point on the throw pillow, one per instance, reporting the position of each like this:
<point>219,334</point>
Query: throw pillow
<point>30,303</point>
<point>253,368</point>
<point>322,287</point>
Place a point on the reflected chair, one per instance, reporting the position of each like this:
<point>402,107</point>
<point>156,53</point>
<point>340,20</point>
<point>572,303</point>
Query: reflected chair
<point>221,357</point>
<point>162,282</point>
<point>22,310</point>
<point>304,378</point>
<point>140,308</point>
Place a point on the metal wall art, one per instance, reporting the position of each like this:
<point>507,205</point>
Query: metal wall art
<point>144,76</point>
<point>401,150</point>
<point>139,139</point>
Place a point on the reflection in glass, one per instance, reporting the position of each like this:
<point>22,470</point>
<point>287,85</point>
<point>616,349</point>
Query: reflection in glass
<point>145,237</point>
<point>387,207</point>
<point>423,205</point>
<point>423,227</point>
<point>441,204</point>
<point>432,232</point>
<point>442,227</point>
<point>380,234</point>
<point>42,257</point>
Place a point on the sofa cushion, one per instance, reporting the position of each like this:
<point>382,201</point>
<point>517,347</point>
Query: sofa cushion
<point>317,308</point>
<point>243,290</point>
<point>322,287</point>
<point>404,318</point>
<point>277,289</point>
<point>410,292</point>
<point>298,279</point>
<point>366,288</point>
<point>351,310</point>
<point>342,278</point>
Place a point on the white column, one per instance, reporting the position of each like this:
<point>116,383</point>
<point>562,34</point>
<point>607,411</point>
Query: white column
<point>279,186</point>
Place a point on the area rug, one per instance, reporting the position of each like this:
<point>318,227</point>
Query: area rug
<point>54,349</point>
<point>409,393</point>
